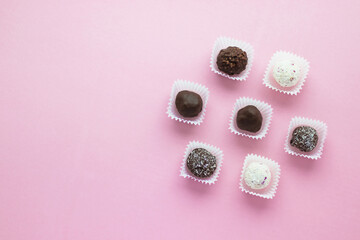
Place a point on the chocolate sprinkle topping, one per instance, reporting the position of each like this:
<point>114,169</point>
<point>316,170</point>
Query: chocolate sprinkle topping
<point>232,60</point>
<point>304,138</point>
<point>201,163</point>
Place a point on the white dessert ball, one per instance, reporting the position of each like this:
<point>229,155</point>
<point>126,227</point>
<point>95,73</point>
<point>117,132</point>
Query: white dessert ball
<point>257,175</point>
<point>286,73</point>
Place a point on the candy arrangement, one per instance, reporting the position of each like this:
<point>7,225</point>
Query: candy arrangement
<point>286,73</point>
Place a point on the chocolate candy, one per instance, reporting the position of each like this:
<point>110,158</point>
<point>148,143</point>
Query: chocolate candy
<point>304,138</point>
<point>249,119</point>
<point>201,163</point>
<point>232,60</point>
<point>188,104</point>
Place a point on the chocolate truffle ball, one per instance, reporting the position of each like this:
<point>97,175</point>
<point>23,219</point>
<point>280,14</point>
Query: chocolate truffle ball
<point>249,119</point>
<point>201,163</point>
<point>304,138</point>
<point>188,104</point>
<point>257,175</point>
<point>232,60</point>
<point>286,73</point>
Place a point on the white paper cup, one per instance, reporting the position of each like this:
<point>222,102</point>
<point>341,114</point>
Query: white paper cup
<point>269,80</point>
<point>224,42</point>
<point>266,112</point>
<point>321,129</point>
<point>184,172</point>
<point>269,191</point>
<point>179,86</point>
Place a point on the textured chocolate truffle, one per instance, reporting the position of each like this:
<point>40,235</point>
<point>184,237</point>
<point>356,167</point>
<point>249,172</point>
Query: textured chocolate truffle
<point>201,163</point>
<point>257,175</point>
<point>188,104</point>
<point>232,60</point>
<point>286,73</point>
<point>304,138</point>
<point>249,119</point>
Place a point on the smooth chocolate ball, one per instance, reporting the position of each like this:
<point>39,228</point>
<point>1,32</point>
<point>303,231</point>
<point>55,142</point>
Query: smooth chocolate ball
<point>188,104</point>
<point>232,60</point>
<point>249,119</point>
<point>304,138</point>
<point>201,163</point>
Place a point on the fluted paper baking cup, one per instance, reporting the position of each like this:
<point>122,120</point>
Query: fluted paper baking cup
<point>179,86</point>
<point>184,172</point>
<point>269,80</point>
<point>224,42</point>
<point>266,112</point>
<point>269,191</point>
<point>321,129</point>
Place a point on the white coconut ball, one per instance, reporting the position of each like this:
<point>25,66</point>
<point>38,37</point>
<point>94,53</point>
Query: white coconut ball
<point>257,175</point>
<point>286,73</point>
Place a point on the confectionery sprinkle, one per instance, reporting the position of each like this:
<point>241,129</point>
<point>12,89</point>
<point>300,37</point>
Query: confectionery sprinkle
<point>257,175</point>
<point>232,60</point>
<point>286,73</point>
<point>201,163</point>
<point>304,138</point>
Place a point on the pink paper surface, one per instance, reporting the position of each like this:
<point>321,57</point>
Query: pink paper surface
<point>88,152</point>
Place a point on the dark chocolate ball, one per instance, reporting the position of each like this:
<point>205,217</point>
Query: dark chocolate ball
<point>304,138</point>
<point>201,163</point>
<point>249,119</point>
<point>232,60</point>
<point>188,104</point>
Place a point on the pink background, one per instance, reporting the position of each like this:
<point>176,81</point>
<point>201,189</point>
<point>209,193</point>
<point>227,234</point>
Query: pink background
<point>87,151</point>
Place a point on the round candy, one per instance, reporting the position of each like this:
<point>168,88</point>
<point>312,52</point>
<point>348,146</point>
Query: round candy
<point>201,163</point>
<point>249,119</point>
<point>286,73</point>
<point>188,104</point>
<point>257,175</point>
<point>304,138</point>
<point>232,60</point>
